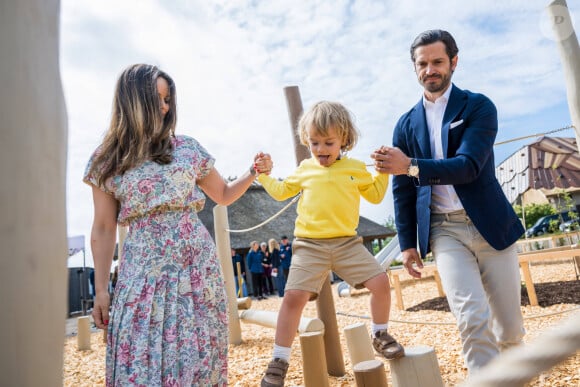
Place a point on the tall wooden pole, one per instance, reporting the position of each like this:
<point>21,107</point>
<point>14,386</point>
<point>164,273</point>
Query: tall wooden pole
<point>325,300</point>
<point>567,42</point>
<point>222,241</point>
<point>33,145</point>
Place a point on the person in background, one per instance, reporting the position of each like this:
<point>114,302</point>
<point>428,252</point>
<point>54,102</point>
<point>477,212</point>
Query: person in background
<point>277,273</point>
<point>267,264</point>
<point>254,259</point>
<point>285,256</point>
<point>326,239</point>
<point>168,322</point>
<point>446,192</point>
<point>237,258</point>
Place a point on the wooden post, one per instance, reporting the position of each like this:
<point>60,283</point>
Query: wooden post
<point>33,152</point>
<point>294,105</point>
<point>325,300</point>
<point>398,291</point>
<point>418,368</point>
<point>83,333</point>
<point>222,240</point>
<point>327,313</point>
<point>313,364</point>
<point>529,283</point>
<point>244,303</point>
<point>240,281</point>
<point>370,373</point>
<point>438,282</point>
<point>567,42</point>
<point>358,342</point>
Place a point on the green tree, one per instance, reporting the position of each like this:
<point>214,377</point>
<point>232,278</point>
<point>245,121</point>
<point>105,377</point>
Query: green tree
<point>390,223</point>
<point>534,212</point>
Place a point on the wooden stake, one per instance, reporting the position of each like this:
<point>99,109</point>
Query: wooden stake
<point>370,373</point>
<point>358,342</point>
<point>83,333</point>
<point>313,363</point>
<point>417,368</point>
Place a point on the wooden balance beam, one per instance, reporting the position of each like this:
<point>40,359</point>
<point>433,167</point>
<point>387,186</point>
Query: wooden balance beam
<point>401,274</point>
<point>563,252</point>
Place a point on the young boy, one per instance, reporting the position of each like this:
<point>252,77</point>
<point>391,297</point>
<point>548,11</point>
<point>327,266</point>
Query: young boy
<point>325,231</point>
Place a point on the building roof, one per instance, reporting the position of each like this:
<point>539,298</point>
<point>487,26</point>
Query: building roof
<point>256,206</point>
<point>546,164</point>
<point>554,163</point>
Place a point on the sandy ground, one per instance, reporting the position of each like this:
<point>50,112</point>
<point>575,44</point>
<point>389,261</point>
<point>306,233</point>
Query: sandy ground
<point>423,326</point>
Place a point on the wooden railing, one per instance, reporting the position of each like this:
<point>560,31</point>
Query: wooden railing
<point>528,253</point>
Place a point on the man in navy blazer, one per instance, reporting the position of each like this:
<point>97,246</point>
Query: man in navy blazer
<point>448,201</point>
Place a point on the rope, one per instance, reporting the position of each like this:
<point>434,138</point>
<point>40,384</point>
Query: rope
<point>523,137</point>
<point>520,364</point>
<point>452,323</point>
<point>534,135</point>
<point>269,219</point>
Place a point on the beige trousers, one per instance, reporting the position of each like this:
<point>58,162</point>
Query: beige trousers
<point>482,285</point>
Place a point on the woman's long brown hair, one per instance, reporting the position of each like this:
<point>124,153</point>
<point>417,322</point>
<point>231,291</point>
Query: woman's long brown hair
<point>138,132</point>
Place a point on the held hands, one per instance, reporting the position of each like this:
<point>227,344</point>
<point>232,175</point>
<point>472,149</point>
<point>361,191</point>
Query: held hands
<point>391,160</point>
<point>263,163</point>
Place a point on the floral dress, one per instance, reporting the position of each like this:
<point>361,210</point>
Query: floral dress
<point>168,325</point>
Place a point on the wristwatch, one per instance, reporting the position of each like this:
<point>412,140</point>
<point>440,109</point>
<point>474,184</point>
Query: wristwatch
<point>413,170</point>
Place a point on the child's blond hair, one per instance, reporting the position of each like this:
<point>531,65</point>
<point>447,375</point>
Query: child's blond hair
<point>322,116</point>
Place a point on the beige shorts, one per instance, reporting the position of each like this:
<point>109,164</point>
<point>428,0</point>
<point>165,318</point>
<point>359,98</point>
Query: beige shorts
<point>312,260</point>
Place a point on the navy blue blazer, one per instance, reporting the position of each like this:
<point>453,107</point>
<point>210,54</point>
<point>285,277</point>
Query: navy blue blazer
<point>468,133</point>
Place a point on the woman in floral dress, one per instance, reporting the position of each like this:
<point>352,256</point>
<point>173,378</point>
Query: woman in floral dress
<point>168,322</point>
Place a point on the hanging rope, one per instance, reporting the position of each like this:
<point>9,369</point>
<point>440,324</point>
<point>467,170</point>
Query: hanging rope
<point>534,135</point>
<point>450,323</point>
<point>519,365</point>
<point>270,218</point>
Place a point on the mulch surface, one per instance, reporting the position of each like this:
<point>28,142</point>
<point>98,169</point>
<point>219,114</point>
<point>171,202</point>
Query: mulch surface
<point>426,321</point>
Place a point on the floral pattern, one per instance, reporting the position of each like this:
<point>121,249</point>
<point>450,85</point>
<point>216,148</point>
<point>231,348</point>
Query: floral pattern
<point>168,325</point>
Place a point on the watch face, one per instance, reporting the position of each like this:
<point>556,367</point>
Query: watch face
<point>413,170</point>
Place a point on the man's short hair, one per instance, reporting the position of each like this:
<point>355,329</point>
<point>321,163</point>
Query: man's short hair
<point>284,237</point>
<point>433,36</point>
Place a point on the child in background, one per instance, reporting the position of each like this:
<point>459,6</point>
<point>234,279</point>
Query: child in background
<point>325,233</point>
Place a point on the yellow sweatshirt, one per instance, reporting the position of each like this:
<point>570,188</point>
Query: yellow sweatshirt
<point>330,201</point>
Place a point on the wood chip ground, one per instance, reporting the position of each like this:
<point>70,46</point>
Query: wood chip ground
<point>248,360</point>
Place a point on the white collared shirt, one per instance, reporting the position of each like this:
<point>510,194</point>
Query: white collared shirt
<point>444,199</point>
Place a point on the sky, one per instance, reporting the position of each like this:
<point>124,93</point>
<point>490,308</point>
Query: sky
<point>232,59</point>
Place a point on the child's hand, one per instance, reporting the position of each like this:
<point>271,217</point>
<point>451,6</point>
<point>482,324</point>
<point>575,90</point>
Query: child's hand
<point>379,156</point>
<point>263,163</point>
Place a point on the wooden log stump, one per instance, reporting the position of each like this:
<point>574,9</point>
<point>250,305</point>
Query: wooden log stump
<point>418,368</point>
<point>358,342</point>
<point>83,333</point>
<point>370,373</point>
<point>244,303</point>
<point>314,359</point>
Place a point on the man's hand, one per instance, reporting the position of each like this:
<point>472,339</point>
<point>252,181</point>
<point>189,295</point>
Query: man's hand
<point>391,160</point>
<point>410,257</point>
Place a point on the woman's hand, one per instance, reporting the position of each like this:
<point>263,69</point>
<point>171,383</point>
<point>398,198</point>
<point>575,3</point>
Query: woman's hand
<point>101,310</point>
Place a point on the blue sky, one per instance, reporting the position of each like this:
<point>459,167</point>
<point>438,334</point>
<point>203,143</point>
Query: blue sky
<point>231,60</point>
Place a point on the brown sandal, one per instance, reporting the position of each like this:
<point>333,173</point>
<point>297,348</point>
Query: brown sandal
<point>275,373</point>
<point>387,346</point>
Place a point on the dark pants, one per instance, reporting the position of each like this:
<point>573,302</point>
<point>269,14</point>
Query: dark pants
<point>268,284</point>
<point>257,284</point>
<point>280,282</point>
